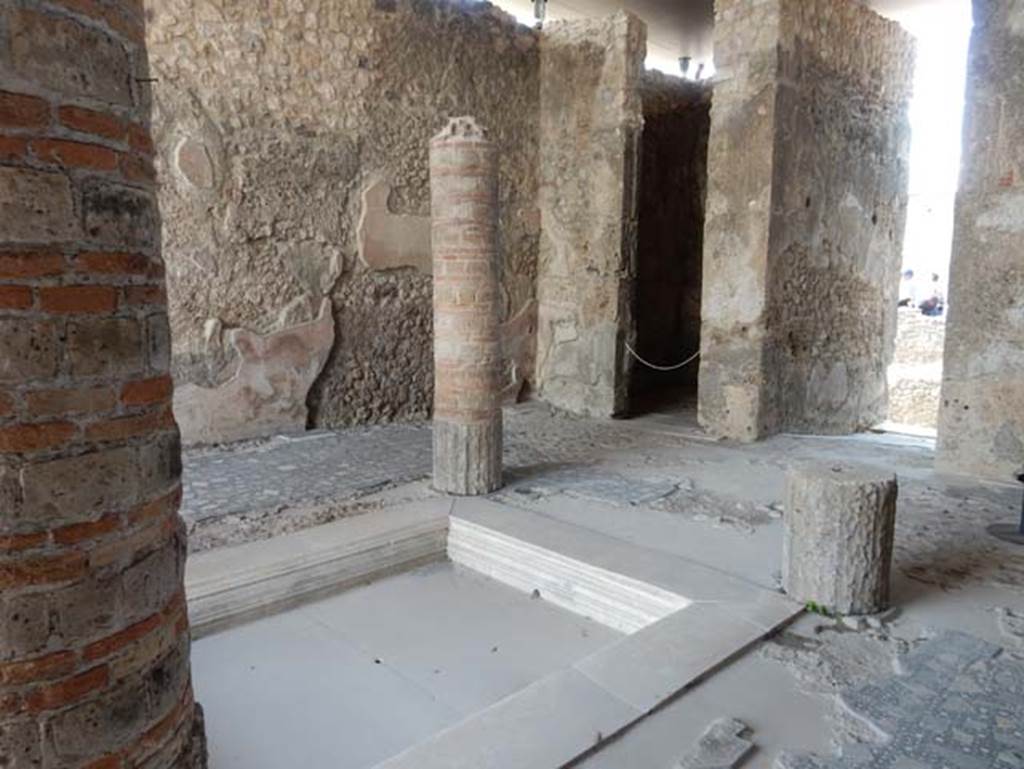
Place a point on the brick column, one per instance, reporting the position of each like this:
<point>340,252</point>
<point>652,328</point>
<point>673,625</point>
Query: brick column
<point>467,347</point>
<point>94,642</point>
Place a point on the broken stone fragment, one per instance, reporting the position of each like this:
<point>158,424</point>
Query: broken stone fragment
<point>722,746</point>
<point>853,623</point>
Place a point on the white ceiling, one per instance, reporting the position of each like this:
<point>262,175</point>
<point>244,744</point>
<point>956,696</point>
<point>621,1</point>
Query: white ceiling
<point>675,28</point>
<point>683,27</point>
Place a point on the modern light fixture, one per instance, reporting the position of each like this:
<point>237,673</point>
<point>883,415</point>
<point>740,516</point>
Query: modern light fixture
<point>540,8</point>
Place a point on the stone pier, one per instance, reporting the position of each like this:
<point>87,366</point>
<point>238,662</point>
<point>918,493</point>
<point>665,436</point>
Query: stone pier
<point>94,631</point>
<point>981,410</point>
<point>586,272</point>
<point>467,347</point>
<point>806,205</point>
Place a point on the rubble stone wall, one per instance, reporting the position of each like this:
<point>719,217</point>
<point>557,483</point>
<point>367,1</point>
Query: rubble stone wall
<point>292,147</point>
<point>915,375</point>
<point>981,419</point>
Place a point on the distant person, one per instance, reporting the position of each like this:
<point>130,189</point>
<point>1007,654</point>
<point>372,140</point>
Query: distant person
<point>908,289</point>
<point>935,304</point>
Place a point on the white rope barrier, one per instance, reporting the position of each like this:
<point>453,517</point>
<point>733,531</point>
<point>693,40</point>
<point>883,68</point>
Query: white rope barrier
<point>656,367</point>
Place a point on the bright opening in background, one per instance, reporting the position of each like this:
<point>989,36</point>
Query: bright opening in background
<point>942,29</point>
<point>659,57</point>
<point>936,119</point>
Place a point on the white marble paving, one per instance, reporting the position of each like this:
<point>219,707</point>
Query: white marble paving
<point>349,681</point>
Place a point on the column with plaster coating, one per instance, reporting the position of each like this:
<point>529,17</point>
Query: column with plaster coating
<point>467,346</point>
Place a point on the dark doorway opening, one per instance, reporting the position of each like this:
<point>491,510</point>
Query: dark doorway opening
<point>670,240</point>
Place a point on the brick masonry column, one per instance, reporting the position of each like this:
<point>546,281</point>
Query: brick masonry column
<point>94,641</point>
<point>467,346</point>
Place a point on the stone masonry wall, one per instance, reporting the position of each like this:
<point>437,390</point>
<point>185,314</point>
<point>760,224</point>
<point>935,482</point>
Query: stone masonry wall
<point>94,641</point>
<point>590,123</point>
<point>807,202</point>
<point>981,418</point>
<point>840,191</point>
<point>915,375</point>
<point>292,142</point>
<point>670,239</point>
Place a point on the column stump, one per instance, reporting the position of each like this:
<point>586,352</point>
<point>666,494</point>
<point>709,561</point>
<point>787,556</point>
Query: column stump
<point>839,525</point>
<point>467,341</point>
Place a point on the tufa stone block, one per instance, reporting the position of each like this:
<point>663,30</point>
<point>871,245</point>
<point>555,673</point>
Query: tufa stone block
<point>121,217</point>
<point>67,56</point>
<point>105,346</point>
<point>35,206</point>
<point>28,350</point>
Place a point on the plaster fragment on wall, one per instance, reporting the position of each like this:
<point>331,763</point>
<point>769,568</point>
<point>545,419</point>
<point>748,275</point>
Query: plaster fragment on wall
<point>388,240</point>
<point>194,163</point>
<point>267,393</point>
<point>722,746</point>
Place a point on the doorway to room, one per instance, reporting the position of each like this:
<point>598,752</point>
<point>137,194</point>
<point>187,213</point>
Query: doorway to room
<point>670,240</point>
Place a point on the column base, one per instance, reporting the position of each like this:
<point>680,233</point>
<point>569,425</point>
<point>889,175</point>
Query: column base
<point>467,457</point>
<point>195,754</point>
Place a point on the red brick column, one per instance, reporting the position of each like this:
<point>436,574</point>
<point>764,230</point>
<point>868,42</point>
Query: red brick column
<point>467,346</point>
<point>94,642</point>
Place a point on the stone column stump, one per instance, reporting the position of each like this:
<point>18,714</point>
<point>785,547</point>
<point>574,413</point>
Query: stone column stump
<point>837,552</point>
<point>467,343</point>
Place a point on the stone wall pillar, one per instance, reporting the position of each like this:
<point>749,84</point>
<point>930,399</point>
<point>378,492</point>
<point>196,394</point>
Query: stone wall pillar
<point>591,117</point>
<point>981,410</point>
<point>467,342</point>
<point>94,641</point>
<point>807,194</point>
<point>737,220</point>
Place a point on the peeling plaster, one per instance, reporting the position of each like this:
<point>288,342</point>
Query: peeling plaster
<point>387,240</point>
<point>267,393</point>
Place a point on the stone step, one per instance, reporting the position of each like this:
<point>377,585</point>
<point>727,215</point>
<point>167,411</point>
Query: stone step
<point>613,599</point>
<point>235,584</point>
<point>556,720</point>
